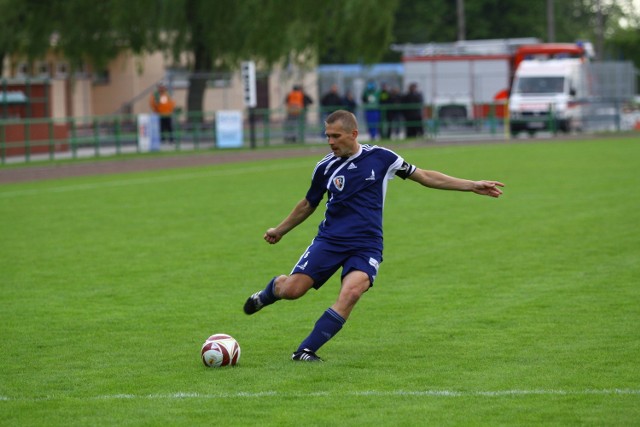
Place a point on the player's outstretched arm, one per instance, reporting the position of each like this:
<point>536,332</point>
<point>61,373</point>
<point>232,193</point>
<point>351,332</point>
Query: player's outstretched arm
<point>300,212</point>
<point>435,179</point>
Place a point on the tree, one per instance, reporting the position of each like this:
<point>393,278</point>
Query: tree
<point>425,21</point>
<point>21,29</point>
<point>623,42</point>
<point>97,32</point>
<point>219,35</point>
<point>212,35</point>
<point>209,36</point>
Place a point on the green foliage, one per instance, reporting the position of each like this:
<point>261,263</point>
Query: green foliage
<point>220,34</point>
<point>335,31</point>
<point>24,28</point>
<point>517,311</point>
<point>624,45</point>
<point>424,21</point>
<point>273,30</point>
<point>354,31</point>
<point>505,19</point>
<point>299,31</point>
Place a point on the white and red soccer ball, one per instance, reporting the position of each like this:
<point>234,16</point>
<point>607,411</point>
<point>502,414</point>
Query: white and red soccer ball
<point>220,350</point>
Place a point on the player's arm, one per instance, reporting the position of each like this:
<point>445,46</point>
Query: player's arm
<point>300,212</point>
<point>435,179</point>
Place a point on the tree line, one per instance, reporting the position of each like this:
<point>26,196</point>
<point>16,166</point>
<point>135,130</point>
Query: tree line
<point>206,36</point>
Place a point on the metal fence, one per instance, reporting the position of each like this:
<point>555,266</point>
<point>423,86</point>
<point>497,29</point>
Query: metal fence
<point>26,140</point>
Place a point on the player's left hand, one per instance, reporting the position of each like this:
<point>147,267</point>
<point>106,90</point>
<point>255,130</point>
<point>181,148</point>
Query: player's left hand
<point>488,188</point>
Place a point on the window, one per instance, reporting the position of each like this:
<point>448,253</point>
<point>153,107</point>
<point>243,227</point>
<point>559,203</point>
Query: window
<point>539,85</point>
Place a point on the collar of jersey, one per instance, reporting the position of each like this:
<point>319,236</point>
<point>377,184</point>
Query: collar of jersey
<point>353,156</point>
<point>343,164</point>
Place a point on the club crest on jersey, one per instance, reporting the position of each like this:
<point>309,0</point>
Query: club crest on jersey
<point>338,181</point>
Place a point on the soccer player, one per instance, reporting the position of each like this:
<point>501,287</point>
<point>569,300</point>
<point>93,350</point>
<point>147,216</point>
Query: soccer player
<point>355,177</point>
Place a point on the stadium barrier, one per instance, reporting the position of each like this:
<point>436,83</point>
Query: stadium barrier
<point>25,140</point>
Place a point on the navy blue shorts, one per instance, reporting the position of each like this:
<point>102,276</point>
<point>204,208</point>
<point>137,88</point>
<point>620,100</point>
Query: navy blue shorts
<point>322,259</point>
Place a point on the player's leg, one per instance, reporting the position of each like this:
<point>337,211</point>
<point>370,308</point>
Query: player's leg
<point>354,285</point>
<point>316,265</point>
<point>280,287</point>
<point>292,287</point>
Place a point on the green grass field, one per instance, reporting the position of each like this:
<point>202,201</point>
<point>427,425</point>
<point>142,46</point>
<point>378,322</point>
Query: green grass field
<point>518,311</point>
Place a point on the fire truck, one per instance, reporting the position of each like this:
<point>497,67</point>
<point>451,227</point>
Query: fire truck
<point>468,80</point>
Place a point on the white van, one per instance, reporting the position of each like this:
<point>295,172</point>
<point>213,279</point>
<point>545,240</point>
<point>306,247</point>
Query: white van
<point>548,95</point>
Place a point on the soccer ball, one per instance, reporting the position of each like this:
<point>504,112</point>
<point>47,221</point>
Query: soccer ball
<point>220,350</point>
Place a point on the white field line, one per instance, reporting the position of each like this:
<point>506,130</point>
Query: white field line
<point>124,182</point>
<point>369,393</point>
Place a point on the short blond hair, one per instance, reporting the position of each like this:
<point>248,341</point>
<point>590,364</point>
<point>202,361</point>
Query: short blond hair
<point>346,119</point>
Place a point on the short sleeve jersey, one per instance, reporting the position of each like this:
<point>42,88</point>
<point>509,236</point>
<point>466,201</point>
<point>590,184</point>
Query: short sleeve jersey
<point>356,189</point>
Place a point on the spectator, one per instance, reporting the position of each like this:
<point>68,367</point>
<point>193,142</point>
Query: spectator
<point>331,101</point>
<point>163,105</point>
<point>413,102</point>
<point>390,100</point>
<point>350,103</point>
<point>296,103</point>
<point>384,108</point>
<point>371,103</point>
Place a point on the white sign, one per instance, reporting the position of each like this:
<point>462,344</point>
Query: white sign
<point>249,83</point>
<point>148,132</point>
<point>229,129</point>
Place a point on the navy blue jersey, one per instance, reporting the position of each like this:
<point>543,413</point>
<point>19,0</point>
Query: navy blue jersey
<point>356,188</point>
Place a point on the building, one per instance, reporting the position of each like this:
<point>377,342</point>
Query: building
<point>125,86</point>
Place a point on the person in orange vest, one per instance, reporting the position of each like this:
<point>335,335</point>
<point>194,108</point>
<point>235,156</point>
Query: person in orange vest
<point>296,103</point>
<point>163,105</point>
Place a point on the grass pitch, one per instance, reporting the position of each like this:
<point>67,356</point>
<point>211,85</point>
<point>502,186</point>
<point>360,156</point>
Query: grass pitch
<point>518,311</point>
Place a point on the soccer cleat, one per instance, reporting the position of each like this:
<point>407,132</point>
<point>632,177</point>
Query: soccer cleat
<point>305,355</point>
<point>253,304</point>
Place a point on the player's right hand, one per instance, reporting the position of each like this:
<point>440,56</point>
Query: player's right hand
<point>272,236</point>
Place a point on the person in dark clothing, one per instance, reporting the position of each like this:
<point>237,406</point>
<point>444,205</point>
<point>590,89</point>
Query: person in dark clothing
<point>390,103</point>
<point>371,105</point>
<point>413,102</point>
<point>350,103</point>
<point>385,96</point>
<point>331,101</point>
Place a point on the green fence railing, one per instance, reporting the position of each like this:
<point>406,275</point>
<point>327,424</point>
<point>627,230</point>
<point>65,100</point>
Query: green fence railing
<point>95,136</point>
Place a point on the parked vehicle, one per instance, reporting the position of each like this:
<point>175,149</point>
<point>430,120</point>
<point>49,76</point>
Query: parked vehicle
<point>548,95</point>
<point>453,111</point>
<point>481,71</point>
